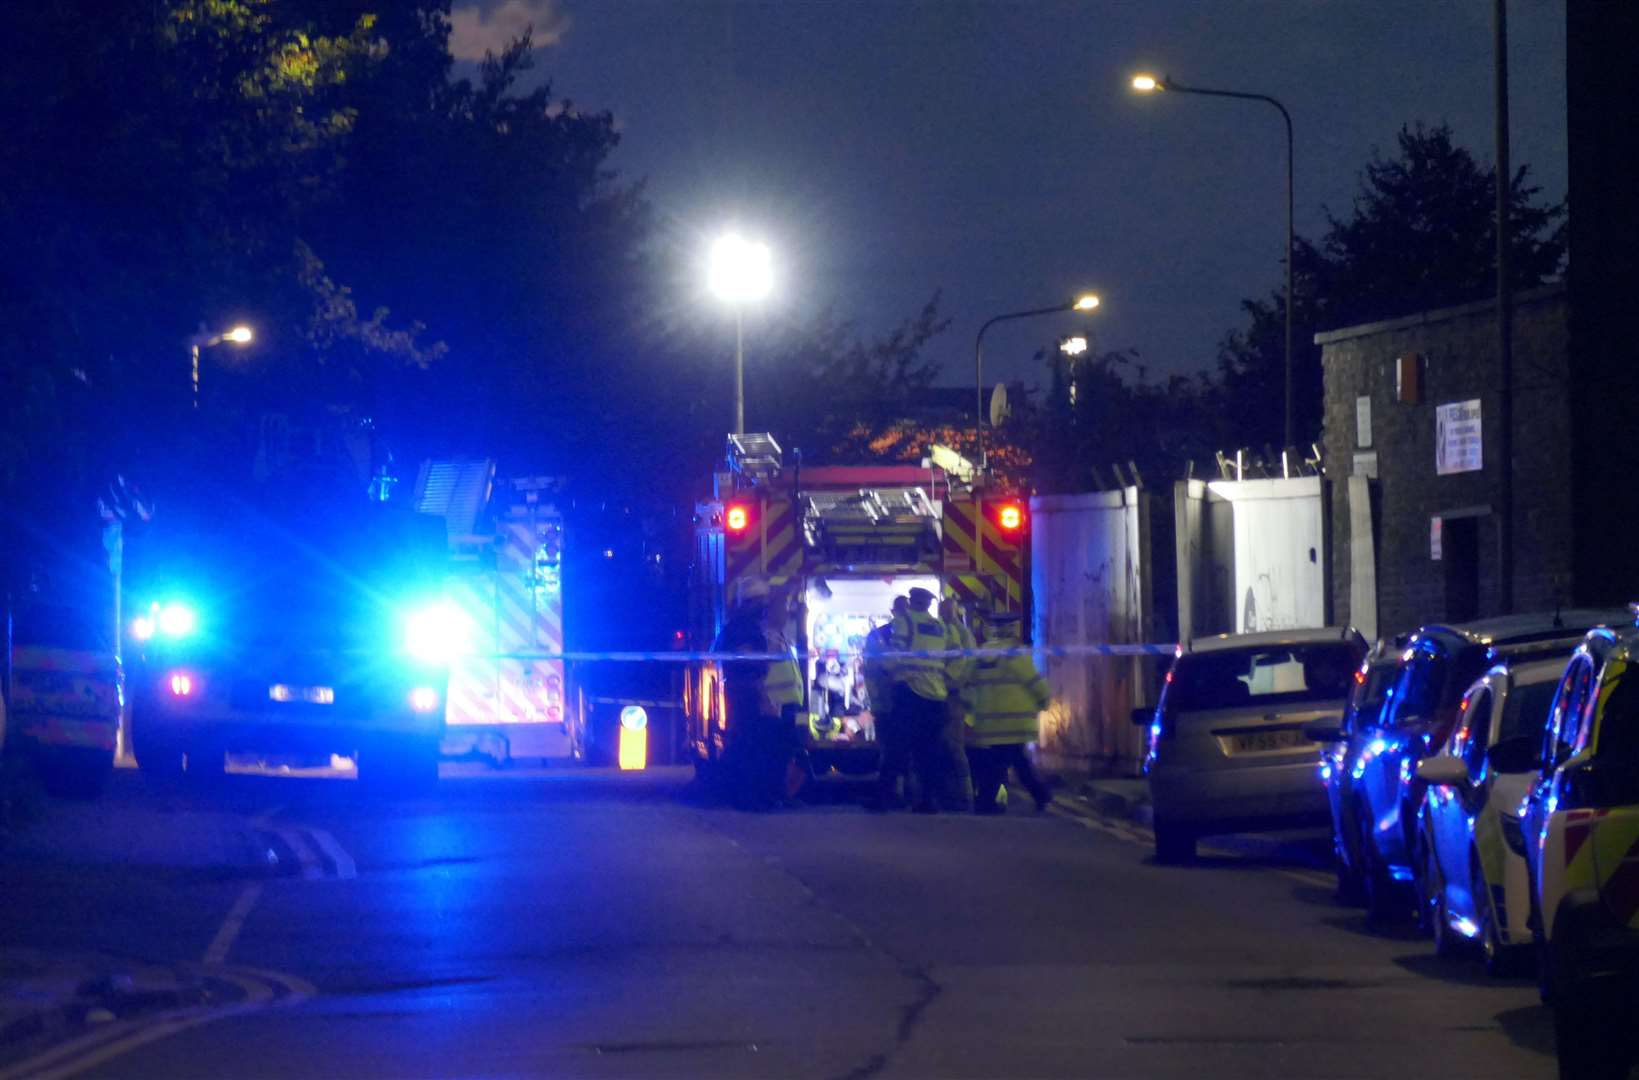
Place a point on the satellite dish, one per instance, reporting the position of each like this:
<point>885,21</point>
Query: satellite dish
<point>999,410</point>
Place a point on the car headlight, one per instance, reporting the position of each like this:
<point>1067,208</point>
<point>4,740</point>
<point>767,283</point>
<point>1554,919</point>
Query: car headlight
<point>438,633</point>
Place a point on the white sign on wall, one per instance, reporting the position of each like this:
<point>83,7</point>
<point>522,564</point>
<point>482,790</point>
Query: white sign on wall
<point>1457,441</point>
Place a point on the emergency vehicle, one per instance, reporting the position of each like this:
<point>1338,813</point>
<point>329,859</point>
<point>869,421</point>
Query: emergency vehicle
<point>836,545</point>
<point>1580,823</point>
<point>506,585</point>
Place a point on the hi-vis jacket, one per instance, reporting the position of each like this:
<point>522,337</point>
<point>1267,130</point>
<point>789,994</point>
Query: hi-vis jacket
<point>918,631</point>
<point>1007,694</point>
<point>782,685</point>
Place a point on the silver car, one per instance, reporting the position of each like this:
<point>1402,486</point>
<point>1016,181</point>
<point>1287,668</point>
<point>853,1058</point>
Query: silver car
<point>1227,751</point>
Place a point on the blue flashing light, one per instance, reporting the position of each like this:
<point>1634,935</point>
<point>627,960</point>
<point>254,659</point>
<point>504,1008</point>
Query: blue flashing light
<point>1400,873</point>
<point>173,620</point>
<point>1465,926</point>
<point>438,633</point>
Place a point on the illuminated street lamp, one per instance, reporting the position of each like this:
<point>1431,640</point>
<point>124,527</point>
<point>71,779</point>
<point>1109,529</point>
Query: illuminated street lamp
<point>1086,302</point>
<point>238,335</point>
<point>1146,83</point>
<point>1073,346</point>
<point>739,271</point>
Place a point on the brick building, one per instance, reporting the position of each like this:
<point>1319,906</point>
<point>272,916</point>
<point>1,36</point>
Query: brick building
<point>1412,450</point>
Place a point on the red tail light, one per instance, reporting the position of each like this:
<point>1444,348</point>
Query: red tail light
<point>182,684</point>
<point>1010,516</point>
<point>737,518</point>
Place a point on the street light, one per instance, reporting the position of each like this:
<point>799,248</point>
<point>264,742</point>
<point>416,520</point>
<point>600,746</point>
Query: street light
<point>1150,84</point>
<point>738,271</point>
<point>238,335</point>
<point>1084,303</point>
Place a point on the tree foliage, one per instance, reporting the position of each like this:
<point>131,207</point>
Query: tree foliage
<point>1421,234</point>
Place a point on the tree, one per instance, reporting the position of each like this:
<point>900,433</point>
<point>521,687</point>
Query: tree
<point>1421,235</point>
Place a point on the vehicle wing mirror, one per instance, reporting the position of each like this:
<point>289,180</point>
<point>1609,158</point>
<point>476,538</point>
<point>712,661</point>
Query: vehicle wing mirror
<point>1443,772</point>
<point>1325,730</point>
<point>1143,716</point>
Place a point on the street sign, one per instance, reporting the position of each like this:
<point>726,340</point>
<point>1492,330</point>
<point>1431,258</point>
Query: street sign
<point>1457,438</point>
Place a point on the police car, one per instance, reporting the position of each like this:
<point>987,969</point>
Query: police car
<point>1581,821</point>
<point>1471,867</point>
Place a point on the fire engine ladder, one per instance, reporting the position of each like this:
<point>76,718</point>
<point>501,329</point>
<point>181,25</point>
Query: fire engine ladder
<point>756,457</point>
<point>870,519</point>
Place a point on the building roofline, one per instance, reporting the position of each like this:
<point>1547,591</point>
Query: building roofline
<point>1438,315</point>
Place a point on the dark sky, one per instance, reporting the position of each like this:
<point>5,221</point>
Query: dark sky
<point>888,149</point>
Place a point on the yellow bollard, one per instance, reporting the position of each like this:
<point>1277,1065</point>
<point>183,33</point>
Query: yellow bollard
<point>634,738</point>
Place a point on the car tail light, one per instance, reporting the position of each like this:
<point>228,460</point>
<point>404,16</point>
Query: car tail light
<point>182,684</point>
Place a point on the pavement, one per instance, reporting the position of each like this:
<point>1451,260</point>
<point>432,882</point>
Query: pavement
<point>588,923</point>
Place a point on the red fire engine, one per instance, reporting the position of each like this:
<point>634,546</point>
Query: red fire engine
<point>835,546</point>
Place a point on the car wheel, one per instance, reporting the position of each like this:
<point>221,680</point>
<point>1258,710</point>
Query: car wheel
<point>1174,844</point>
<point>77,774</point>
<point>408,765</point>
<point>1382,903</point>
<point>157,755</point>
<point>1501,961</point>
<point>1351,887</point>
<point>1438,915</point>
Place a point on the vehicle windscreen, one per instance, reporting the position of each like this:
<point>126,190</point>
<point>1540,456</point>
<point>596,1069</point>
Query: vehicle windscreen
<point>1526,710</point>
<point>1262,676</point>
<point>1367,697</point>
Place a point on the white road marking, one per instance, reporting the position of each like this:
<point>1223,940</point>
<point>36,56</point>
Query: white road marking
<point>343,862</point>
<point>296,840</point>
<point>228,932</point>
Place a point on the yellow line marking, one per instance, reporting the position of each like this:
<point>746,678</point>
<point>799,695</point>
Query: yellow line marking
<point>228,932</point>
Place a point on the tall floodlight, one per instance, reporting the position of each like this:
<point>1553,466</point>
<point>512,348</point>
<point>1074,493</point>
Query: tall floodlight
<point>739,271</point>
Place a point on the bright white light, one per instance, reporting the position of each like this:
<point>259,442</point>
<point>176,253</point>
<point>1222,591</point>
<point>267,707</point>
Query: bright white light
<point>142,628</point>
<point>1146,83</point>
<point>1087,302</point>
<point>1073,346</point>
<point>439,633</point>
<point>239,335</point>
<point>177,620</point>
<point>634,718</point>
<point>740,270</point>
<point>423,699</point>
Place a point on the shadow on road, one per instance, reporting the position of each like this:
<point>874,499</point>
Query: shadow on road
<point>1529,1028</point>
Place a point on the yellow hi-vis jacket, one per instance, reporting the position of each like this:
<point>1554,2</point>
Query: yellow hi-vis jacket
<point>1008,694</point>
<point>917,631</point>
<point>782,684</point>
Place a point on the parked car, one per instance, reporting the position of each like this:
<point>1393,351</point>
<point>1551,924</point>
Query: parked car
<point>1422,706</point>
<point>1366,697</point>
<point>1227,752</point>
<point>1581,822</point>
<point>1471,866</point>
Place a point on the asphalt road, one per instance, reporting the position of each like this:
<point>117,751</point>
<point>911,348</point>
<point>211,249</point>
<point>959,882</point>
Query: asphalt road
<point>592,924</point>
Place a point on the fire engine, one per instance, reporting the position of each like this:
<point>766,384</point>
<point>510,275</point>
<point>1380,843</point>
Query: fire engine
<point>836,545</point>
<point>506,583</point>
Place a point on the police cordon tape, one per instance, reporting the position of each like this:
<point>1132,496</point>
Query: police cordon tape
<point>1055,652</point>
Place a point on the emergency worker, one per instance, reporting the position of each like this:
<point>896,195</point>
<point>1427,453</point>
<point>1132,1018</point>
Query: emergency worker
<point>762,698</point>
<point>1008,694</point>
<point>959,675</point>
<point>921,700</point>
<point>891,738</point>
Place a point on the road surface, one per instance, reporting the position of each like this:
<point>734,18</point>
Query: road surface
<point>576,923</point>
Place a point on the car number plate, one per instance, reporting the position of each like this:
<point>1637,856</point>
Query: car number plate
<point>1254,742</point>
<point>313,695</point>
